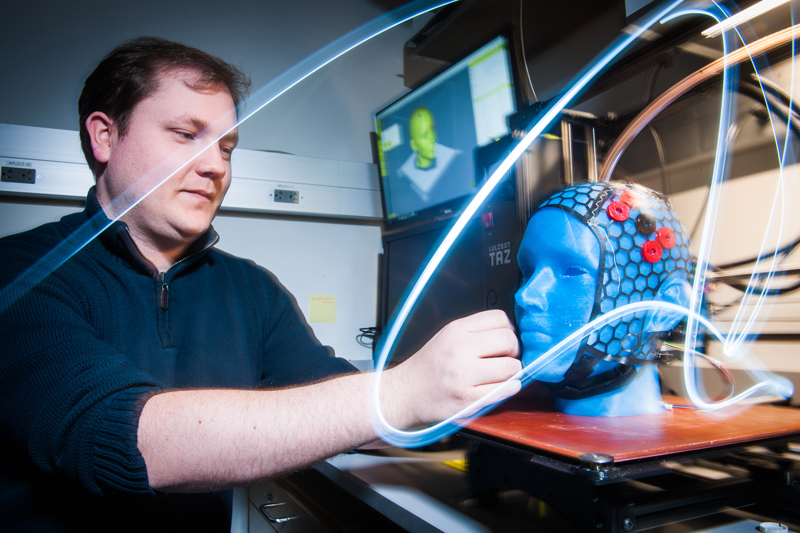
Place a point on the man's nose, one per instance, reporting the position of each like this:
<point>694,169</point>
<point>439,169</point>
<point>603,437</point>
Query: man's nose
<point>210,163</point>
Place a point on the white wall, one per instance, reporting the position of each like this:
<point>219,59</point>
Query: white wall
<point>54,45</point>
<point>315,258</point>
<point>17,216</point>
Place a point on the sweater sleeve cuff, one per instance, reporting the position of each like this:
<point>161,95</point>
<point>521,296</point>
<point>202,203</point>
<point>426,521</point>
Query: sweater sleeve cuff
<point>118,463</point>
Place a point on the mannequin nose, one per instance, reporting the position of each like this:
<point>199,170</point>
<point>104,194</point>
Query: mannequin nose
<point>532,294</point>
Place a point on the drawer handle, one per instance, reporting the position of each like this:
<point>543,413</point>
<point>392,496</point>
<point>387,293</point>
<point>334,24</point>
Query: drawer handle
<point>271,518</point>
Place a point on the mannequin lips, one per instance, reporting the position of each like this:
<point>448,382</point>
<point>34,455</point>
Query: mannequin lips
<point>534,322</point>
<point>533,336</point>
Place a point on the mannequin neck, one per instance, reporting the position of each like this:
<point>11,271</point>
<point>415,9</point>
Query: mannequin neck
<point>641,396</point>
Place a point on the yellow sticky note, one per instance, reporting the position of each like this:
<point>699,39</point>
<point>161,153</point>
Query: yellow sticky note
<point>458,464</point>
<point>322,308</point>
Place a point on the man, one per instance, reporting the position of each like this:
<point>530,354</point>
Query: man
<point>150,364</point>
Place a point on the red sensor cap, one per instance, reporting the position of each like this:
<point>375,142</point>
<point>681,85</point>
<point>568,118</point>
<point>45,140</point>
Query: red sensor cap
<point>666,238</point>
<point>618,211</point>
<point>652,252</point>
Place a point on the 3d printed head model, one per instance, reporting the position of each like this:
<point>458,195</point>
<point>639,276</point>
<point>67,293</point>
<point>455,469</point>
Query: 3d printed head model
<point>587,250</point>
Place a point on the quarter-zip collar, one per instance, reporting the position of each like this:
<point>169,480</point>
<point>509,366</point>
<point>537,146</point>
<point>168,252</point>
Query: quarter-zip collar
<point>121,246</point>
<point>117,237</point>
<point>163,299</point>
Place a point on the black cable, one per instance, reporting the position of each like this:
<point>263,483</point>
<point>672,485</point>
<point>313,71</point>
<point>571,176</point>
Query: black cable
<point>771,292</point>
<point>775,89</point>
<point>367,337</point>
<point>784,251</point>
<point>776,104</point>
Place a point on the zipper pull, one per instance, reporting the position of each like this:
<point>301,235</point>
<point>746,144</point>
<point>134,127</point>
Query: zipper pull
<point>164,297</point>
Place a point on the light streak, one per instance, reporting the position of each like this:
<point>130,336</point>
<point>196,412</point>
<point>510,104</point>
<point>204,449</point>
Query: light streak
<point>777,385</point>
<point>733,342</point>
<point>324,56</point>
<point>434,433</point>
<point>168,168</point>
<point>747,52</point>
<point>704,251</point>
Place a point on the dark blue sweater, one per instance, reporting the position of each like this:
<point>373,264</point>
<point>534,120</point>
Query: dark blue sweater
<point>82,351</point>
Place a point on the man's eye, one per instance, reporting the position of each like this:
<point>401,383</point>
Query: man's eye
<point>185,134</point>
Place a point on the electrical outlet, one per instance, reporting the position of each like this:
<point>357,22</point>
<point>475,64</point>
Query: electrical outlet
<point>286,196</point>
<point>18,175</point>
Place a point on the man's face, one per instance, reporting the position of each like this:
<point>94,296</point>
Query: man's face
<point>166,130</point>
<point>559,258</point>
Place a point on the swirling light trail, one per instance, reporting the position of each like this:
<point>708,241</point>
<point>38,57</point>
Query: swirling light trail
<point>436,432</point>
<point>709,228</point>
<point>733,343</point>
<point>307,67</point>
<point>776,385</point>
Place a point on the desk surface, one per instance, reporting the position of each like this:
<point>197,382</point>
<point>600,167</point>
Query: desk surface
<point>538,427</point>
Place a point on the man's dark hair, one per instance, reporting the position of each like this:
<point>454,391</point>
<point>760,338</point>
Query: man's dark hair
<point>129,74</point>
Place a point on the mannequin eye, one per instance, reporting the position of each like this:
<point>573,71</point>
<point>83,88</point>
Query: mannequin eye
<point>527,272</point>
<point>572,271</point>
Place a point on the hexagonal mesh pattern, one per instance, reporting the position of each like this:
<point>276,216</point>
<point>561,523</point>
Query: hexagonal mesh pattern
<point>637,255</point>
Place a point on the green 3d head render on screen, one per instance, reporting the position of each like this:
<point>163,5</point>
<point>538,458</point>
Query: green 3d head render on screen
<point>422,133</point>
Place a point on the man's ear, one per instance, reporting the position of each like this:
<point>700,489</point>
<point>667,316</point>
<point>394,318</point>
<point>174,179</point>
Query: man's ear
<point>674,290</point>
<point>100,128</point>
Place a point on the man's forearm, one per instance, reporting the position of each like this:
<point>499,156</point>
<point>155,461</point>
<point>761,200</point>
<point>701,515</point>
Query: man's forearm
<point>212,439</point>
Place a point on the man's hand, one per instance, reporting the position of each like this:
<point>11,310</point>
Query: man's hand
<point>462,363</point>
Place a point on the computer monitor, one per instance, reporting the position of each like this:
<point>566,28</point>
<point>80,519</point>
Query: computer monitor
<point>427,139</point>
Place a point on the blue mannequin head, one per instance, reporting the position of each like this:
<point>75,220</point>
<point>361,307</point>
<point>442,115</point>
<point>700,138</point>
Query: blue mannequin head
<point>589,249</point>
